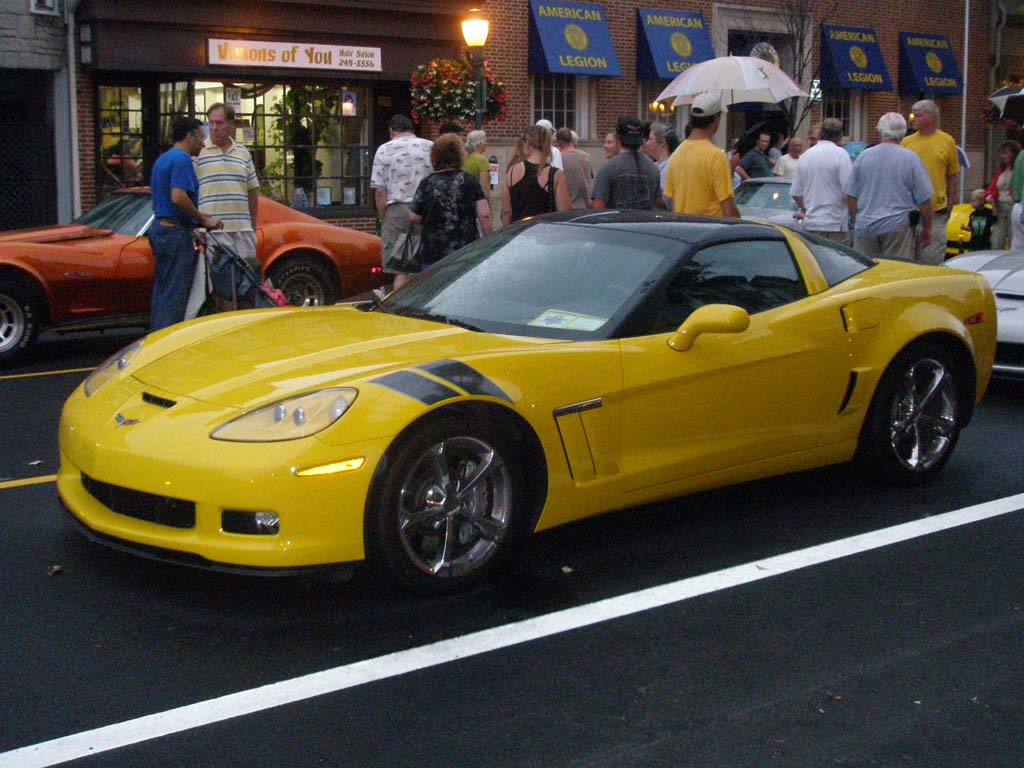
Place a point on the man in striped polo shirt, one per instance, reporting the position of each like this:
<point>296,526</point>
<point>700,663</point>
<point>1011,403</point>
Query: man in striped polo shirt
<point>228,187</point>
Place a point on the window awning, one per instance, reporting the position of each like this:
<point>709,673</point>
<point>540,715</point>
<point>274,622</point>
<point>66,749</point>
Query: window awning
<point>927,65</point>
<point>852,58</point>
<point>570,39</point>
<point>670,42</point>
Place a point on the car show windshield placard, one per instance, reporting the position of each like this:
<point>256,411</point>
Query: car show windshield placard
<point>261,53</point>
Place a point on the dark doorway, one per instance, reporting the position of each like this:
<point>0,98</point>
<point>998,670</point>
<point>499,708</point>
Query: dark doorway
<point>28,190</point>
<point>388,99</point>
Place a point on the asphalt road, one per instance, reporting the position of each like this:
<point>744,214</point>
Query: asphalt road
<point>895,654</point>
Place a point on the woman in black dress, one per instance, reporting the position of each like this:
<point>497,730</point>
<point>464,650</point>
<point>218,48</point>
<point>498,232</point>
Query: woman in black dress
<point>532,186</point>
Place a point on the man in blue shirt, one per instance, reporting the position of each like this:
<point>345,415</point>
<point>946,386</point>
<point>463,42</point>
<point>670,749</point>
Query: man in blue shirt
<point>175,187</point>
<point>886,184</point>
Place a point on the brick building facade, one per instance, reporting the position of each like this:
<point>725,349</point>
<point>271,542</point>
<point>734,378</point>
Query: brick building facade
<point>135,64</point>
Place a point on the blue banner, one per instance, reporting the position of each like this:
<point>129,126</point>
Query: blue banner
<point>570,39</point>
<point>852,58</point>
<point>670,42</point>
<point>927,65</point>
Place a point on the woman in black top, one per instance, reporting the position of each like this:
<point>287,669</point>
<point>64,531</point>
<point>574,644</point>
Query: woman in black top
<point>531,186</point>
<point>449,203</point>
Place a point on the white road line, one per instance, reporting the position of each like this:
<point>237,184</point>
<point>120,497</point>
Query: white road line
<point>329,681</point>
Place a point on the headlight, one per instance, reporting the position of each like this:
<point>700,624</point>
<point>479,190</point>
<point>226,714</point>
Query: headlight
<point>288,419</point>
<point>111,367</point>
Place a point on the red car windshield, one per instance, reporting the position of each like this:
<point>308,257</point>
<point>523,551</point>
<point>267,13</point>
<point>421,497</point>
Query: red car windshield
<point>125,214</point>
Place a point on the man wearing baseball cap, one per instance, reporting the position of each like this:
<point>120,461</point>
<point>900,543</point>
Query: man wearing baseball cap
<point>699,180</point>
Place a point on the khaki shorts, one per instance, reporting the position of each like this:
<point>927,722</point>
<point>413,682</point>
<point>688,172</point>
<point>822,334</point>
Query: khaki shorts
<point>394,230</point>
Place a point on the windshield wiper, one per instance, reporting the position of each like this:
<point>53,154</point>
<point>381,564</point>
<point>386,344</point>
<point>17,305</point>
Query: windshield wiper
<point>446,319</point>
<point>376,302</point>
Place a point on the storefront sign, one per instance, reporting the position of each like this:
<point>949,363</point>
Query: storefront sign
<point>853,59</point>
<point>927,65</point>
<point>570,39</point>
<point>258,53</point>
<point>670,42</point>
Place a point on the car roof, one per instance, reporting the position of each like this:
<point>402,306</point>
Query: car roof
<point>685,229</point>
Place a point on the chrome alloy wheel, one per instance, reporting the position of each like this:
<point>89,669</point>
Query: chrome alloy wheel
<point>12,322</point>
<point>923,414</point>
<point>455,507</point>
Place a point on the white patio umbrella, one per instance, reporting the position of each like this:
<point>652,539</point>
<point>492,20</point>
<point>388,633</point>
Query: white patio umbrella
<point>733,79</point>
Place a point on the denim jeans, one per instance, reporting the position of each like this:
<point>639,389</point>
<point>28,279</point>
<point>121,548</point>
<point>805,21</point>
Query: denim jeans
<point>174,265</point>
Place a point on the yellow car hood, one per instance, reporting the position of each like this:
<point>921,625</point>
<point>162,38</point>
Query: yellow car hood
<point>281,353</point>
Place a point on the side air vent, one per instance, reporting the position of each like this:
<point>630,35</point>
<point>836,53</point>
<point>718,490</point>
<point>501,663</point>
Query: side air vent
<point>161,402</point>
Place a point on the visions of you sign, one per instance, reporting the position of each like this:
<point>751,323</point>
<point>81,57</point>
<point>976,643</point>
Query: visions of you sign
<point>260,53</point>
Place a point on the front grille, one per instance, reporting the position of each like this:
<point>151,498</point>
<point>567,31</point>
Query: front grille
<point>1011,354</point>
<point>142,506</point>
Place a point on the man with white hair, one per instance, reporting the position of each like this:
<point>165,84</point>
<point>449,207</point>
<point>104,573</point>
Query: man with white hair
<point>556,155</point>
<point>937,151</point>
<point>886,185</point>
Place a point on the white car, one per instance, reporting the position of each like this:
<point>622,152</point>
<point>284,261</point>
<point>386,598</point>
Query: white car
<point>769,200</point>
<point>1004,271</point>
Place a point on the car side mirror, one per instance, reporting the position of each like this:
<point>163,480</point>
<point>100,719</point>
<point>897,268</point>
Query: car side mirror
<point>711,318</point>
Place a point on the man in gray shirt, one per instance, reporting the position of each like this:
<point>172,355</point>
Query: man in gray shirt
<point>887,183</point>
<point>756,162</point>
<point>630,180</point>
<point>579,173</point>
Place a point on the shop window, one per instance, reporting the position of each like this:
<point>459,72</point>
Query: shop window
<point>554,99</point>
<point>565,100</point>
<point>121,134</point>
<point>653,110</point>
<point>173,102</point>
<point>837,104</point>
<point>310,142</point>
<point>847,107</point>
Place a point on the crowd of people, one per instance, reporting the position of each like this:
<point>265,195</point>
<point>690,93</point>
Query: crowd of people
<point>433,198</point>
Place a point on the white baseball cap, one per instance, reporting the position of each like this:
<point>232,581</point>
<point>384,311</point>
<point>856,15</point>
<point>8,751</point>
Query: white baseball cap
<point>546,124</point>
<point>706,105</point>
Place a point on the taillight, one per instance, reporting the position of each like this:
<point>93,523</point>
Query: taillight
<point>977,319</point>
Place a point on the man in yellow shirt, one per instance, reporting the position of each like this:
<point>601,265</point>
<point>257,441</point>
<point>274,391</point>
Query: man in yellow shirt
<point>937,151</point>
<point>699,180</point>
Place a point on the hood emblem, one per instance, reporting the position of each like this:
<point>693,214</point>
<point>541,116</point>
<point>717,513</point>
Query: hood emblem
<point>123,421</point>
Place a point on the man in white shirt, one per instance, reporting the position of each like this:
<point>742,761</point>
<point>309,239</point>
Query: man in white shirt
<point>398,168</point>
<point>785,166</point>
<point>819,186</point>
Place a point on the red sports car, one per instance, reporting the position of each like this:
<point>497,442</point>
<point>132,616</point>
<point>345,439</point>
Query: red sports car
<point>98,271</point>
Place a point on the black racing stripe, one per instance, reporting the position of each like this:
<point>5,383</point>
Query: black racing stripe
<point>465,378</point>
<point>417,387</point>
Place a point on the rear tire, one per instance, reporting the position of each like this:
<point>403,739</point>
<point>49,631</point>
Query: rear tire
<point>20,320</point>
<point>915,417</point>
<point>449,508</point>
<point>306,282</point>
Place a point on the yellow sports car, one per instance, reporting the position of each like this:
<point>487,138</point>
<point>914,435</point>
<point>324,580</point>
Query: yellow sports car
<point>958,239</point>
<point>563,367</point>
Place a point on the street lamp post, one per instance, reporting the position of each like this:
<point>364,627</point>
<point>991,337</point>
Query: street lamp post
<point>474,30</point>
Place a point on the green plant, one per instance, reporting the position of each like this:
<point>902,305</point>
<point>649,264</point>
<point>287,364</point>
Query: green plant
<point>444,90</point>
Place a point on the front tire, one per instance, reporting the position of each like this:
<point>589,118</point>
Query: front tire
<point>915,417</point>
<point>19,320</point>
<point>305,282</point>
<point>450,507</point>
